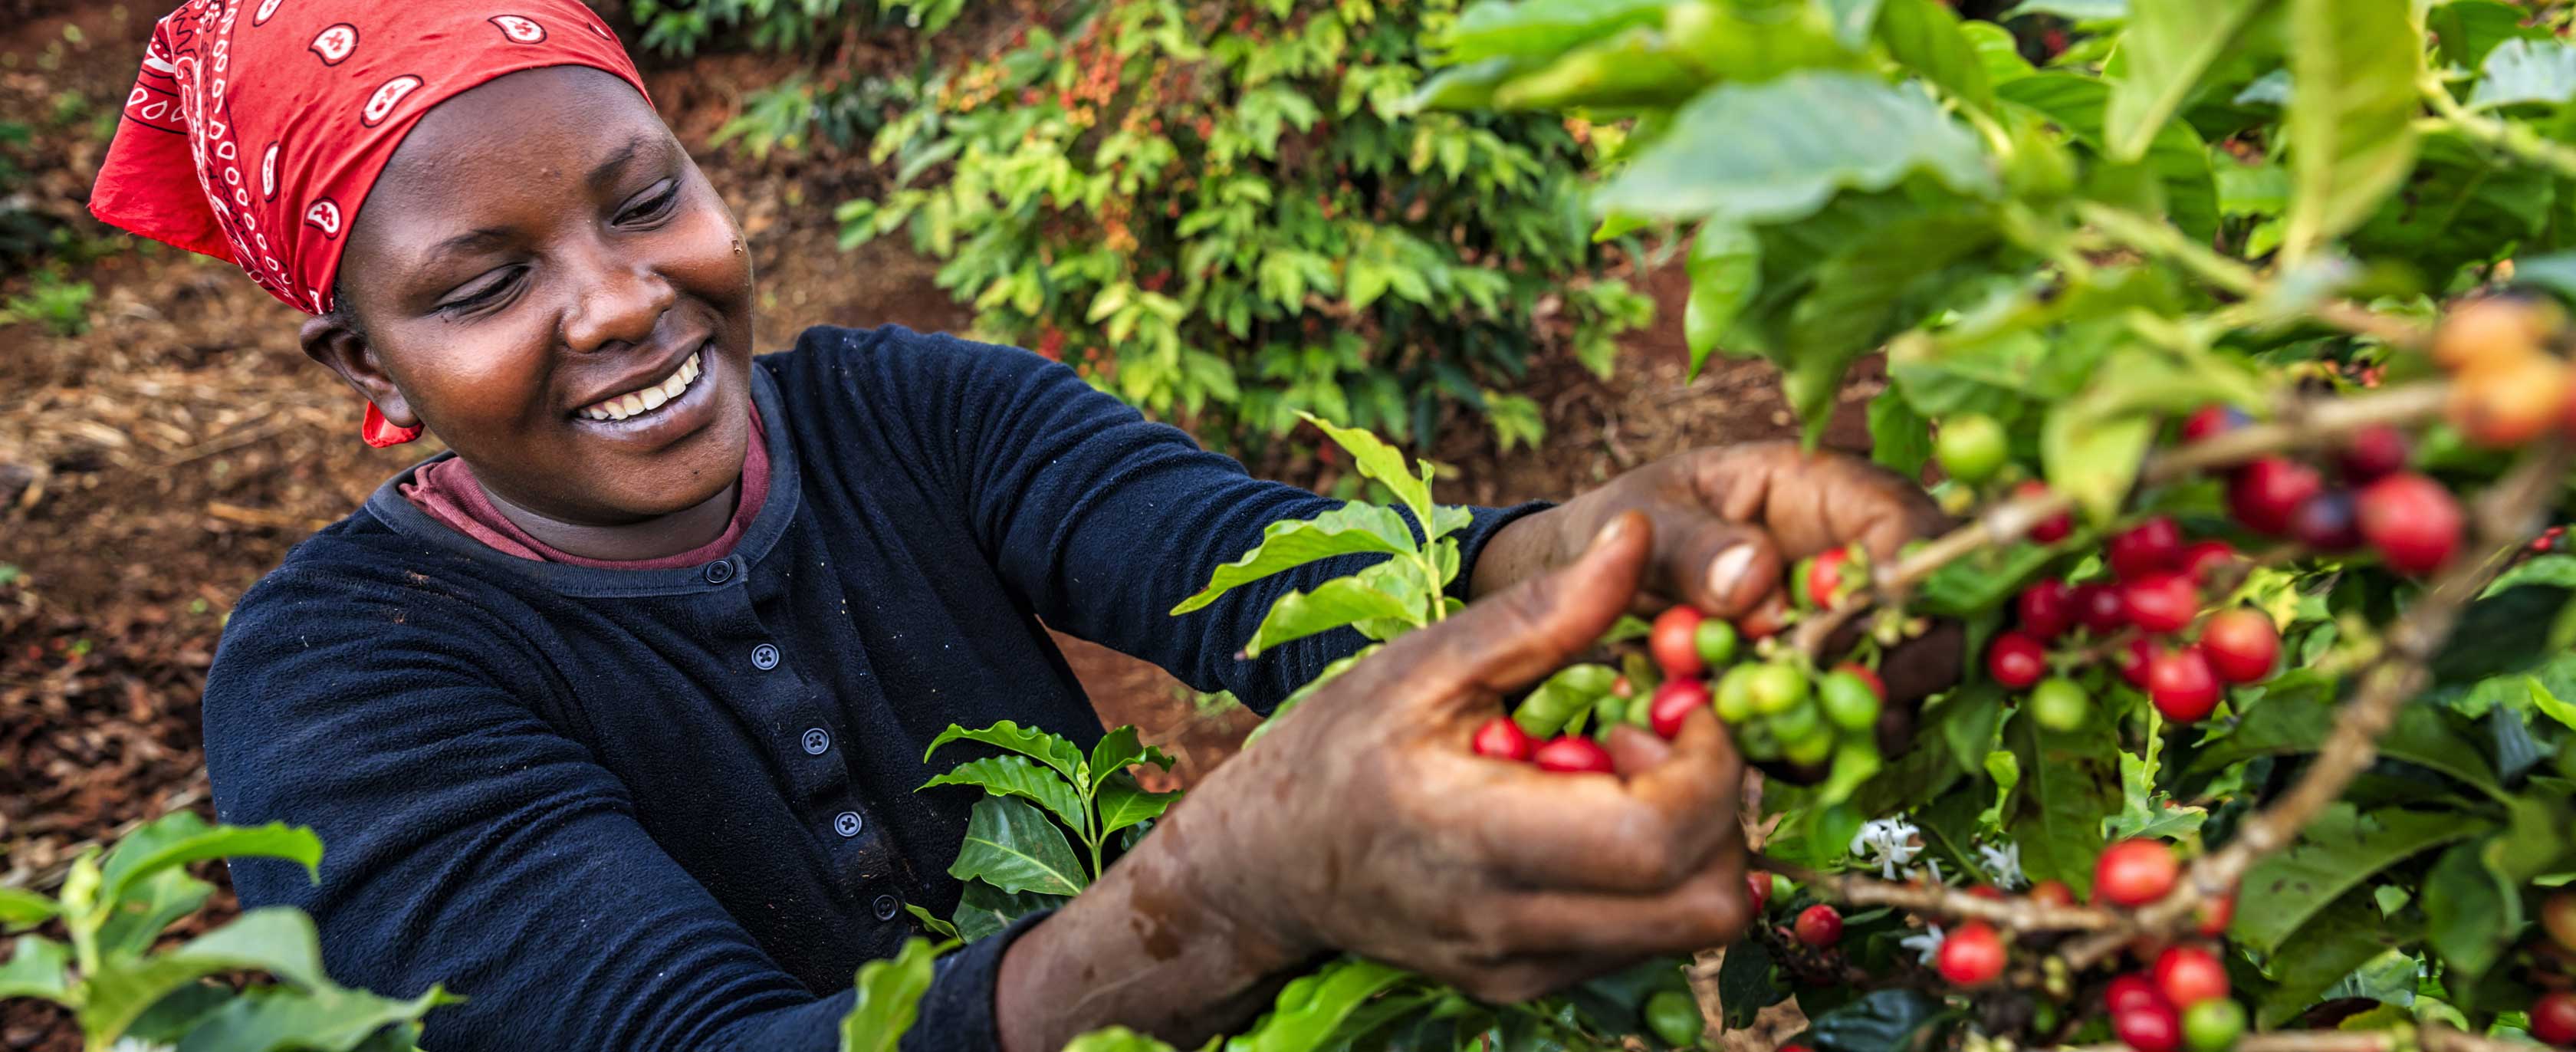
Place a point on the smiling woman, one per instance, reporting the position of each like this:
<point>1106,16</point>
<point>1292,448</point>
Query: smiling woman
<point>614,717</point>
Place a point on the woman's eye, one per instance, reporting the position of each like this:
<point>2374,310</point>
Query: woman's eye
<point>654,206</point>
<point>482,292</point>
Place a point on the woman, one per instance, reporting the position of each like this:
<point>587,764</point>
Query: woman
<point>612,720</point>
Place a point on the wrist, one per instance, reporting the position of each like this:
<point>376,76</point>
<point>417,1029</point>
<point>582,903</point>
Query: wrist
<point>1525,547</point>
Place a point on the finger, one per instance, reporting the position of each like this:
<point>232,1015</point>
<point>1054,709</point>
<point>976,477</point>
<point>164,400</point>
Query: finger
<point>1633,750</point>
<point>1510,640</point>
<point>1587,832</point>
<point>1723,568</point>
<point>1525,977</point>
<point>1711,908</point>
<point>1813,501</point>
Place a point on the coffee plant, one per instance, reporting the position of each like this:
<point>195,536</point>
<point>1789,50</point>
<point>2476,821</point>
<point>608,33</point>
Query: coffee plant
<point>2233,329</point>
<point>129,991</point>
<point>1230,214</point>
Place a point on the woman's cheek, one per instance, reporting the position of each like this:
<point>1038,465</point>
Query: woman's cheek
<point>492,379</point>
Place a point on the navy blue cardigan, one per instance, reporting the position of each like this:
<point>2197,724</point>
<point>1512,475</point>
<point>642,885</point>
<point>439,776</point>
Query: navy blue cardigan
<point>674,809</point>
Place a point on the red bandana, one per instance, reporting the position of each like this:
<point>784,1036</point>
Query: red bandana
<point>258,126</point>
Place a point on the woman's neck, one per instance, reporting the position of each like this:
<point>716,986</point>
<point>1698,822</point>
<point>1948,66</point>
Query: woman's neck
<point>659,537</point>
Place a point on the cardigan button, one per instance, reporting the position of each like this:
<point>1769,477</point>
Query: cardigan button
<point>720,571</point>
<point>887,907</point>
<point>847,823</point>
<point>816,741</point>
<point>764,657</point>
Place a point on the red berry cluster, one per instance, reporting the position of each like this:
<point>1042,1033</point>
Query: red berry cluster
<point>2155,593</point>
<point>2410,520</point>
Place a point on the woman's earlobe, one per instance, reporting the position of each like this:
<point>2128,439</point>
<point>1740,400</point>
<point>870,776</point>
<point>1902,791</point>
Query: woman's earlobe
<point>331,341</point>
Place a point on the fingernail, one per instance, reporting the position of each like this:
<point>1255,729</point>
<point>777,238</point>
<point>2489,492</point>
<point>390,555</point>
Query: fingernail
<point>1727,571</point>
<point>1612,533</point>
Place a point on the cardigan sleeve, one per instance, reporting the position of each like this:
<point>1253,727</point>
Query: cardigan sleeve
<point>466,842</point>
<point>1102,520</point>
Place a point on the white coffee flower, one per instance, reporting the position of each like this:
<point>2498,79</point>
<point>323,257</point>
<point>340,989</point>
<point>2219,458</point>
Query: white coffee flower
<point>2005,863</point>
<point>1926,946</point>
<point>1888,842</point>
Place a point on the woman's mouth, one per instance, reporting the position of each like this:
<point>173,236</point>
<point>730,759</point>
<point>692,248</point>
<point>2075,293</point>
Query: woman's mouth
<point>639,403</point>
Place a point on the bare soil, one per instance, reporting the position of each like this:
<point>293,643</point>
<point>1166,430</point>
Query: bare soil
<point>154,467</point>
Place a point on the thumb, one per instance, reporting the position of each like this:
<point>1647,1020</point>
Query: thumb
<point>1510,640</point>
<point>1724,568</point>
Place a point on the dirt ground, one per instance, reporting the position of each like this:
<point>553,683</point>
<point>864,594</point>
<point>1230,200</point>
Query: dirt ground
<point>154,467</point>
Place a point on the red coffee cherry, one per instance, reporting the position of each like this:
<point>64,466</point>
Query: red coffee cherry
<point>2049,530</point>
<point>2135,872</point>
<point>2154,1028</point>
<point>1573,755</point>
<point>2182,685</point>
<point>1674,702</point>
<point>2264,493</point>
<point>2161,601</point>
<point>2146,548</point>
<point>1757,888</point>
<point>2137,660</point>
<point>2213,419</point>
<point>2131,990</point>
<point>2016,660</point>
<point>1503,739</point>
<point>2188,975</point>
<point>2241,644</point>
<point>2215,914</point>
<point>2327,522</point>
<point>1972,954</point>
<point>1674,641</point>
<point>2047,609</point>
<point>2553,1017</point>
<point>2052,893</point>
<point>2372,452</point>
<point>1819,926</point>
<point>2099,609</point>
<point>2205,560</point>
<point>2412,520</point>
<point>1825,574</point>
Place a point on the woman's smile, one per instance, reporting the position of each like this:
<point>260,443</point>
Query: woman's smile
<point>652,413</point>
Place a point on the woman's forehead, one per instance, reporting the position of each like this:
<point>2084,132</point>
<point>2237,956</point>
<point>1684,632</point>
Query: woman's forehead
<point>519,146</point>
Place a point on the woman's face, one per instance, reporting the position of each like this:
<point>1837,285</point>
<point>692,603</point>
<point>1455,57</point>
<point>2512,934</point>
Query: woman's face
<point>543,277</point>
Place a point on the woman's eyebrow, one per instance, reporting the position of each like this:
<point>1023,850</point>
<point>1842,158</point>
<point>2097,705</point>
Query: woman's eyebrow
<point>617,160</point>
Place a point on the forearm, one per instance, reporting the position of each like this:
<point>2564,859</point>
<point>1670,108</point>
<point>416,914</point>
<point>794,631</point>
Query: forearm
<point>1140,949</point>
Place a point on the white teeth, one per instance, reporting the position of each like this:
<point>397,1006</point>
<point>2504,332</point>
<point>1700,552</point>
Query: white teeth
<point>649,399</point>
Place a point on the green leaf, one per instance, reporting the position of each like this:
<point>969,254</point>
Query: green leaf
<point>2093,458</point>
<point>2297,712</point>
<point>1310,1009</point>
<point>1725,269</point>
<point>2502,632</point>
<point>931,923</point>
<point>984,910</point>
<point>1536,28</point>
<point>2168,46</point>
<point>1967,720</point>
<point>889,997</point>
<point>2081,105</point>
<point>1900,440</point>
<point>1013,847</point>
<point>1120,749</point>
<point>1350,529</point>
<point>1447,519</point>
<point>20,908</point>
<point>277,940</point>
<point>2069,784</point>
<point>1744,983</point>
<point>2343,936</point>
<point>2351,122</point>
<point>1384,463</point>
<point>148,907</point>
<point>1116,1039</point>
<point>1333,604</point>
<point>1053,750</point>
<point>1982,581</point>
<point>2336,852</point>
<point>2520,71</point>
<point>1997,51</point>
<point>180,837</point>
<point>1851,20</point>
<point>1925,36</point>
<point>1639,67</point>
<point>1124,804</point>
<point>1017,776</point>
<point>2470,29</point>
<point>327,1019</point>
<point>37,967</point>
<point>1778,150</point>
<point>1892,1020</point>
<point>2471,912</point>
<point>2557,571</point>
<point>2073,10</point>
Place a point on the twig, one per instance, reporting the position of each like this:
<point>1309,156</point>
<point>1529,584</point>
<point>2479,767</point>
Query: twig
<point>2506,513</point>
<point>2298,424</point>
<point>2523,143</point>
<point>2159,238</point>
<point>2018,914</point>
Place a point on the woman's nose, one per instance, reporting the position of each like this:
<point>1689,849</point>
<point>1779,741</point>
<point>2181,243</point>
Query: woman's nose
<point>617,302</point>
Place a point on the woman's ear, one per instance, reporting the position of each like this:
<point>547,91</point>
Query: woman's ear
<point>332,341</point>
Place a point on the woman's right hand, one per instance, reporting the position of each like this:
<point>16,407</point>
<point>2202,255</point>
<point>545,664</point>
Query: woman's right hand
<point>1363,823</point>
